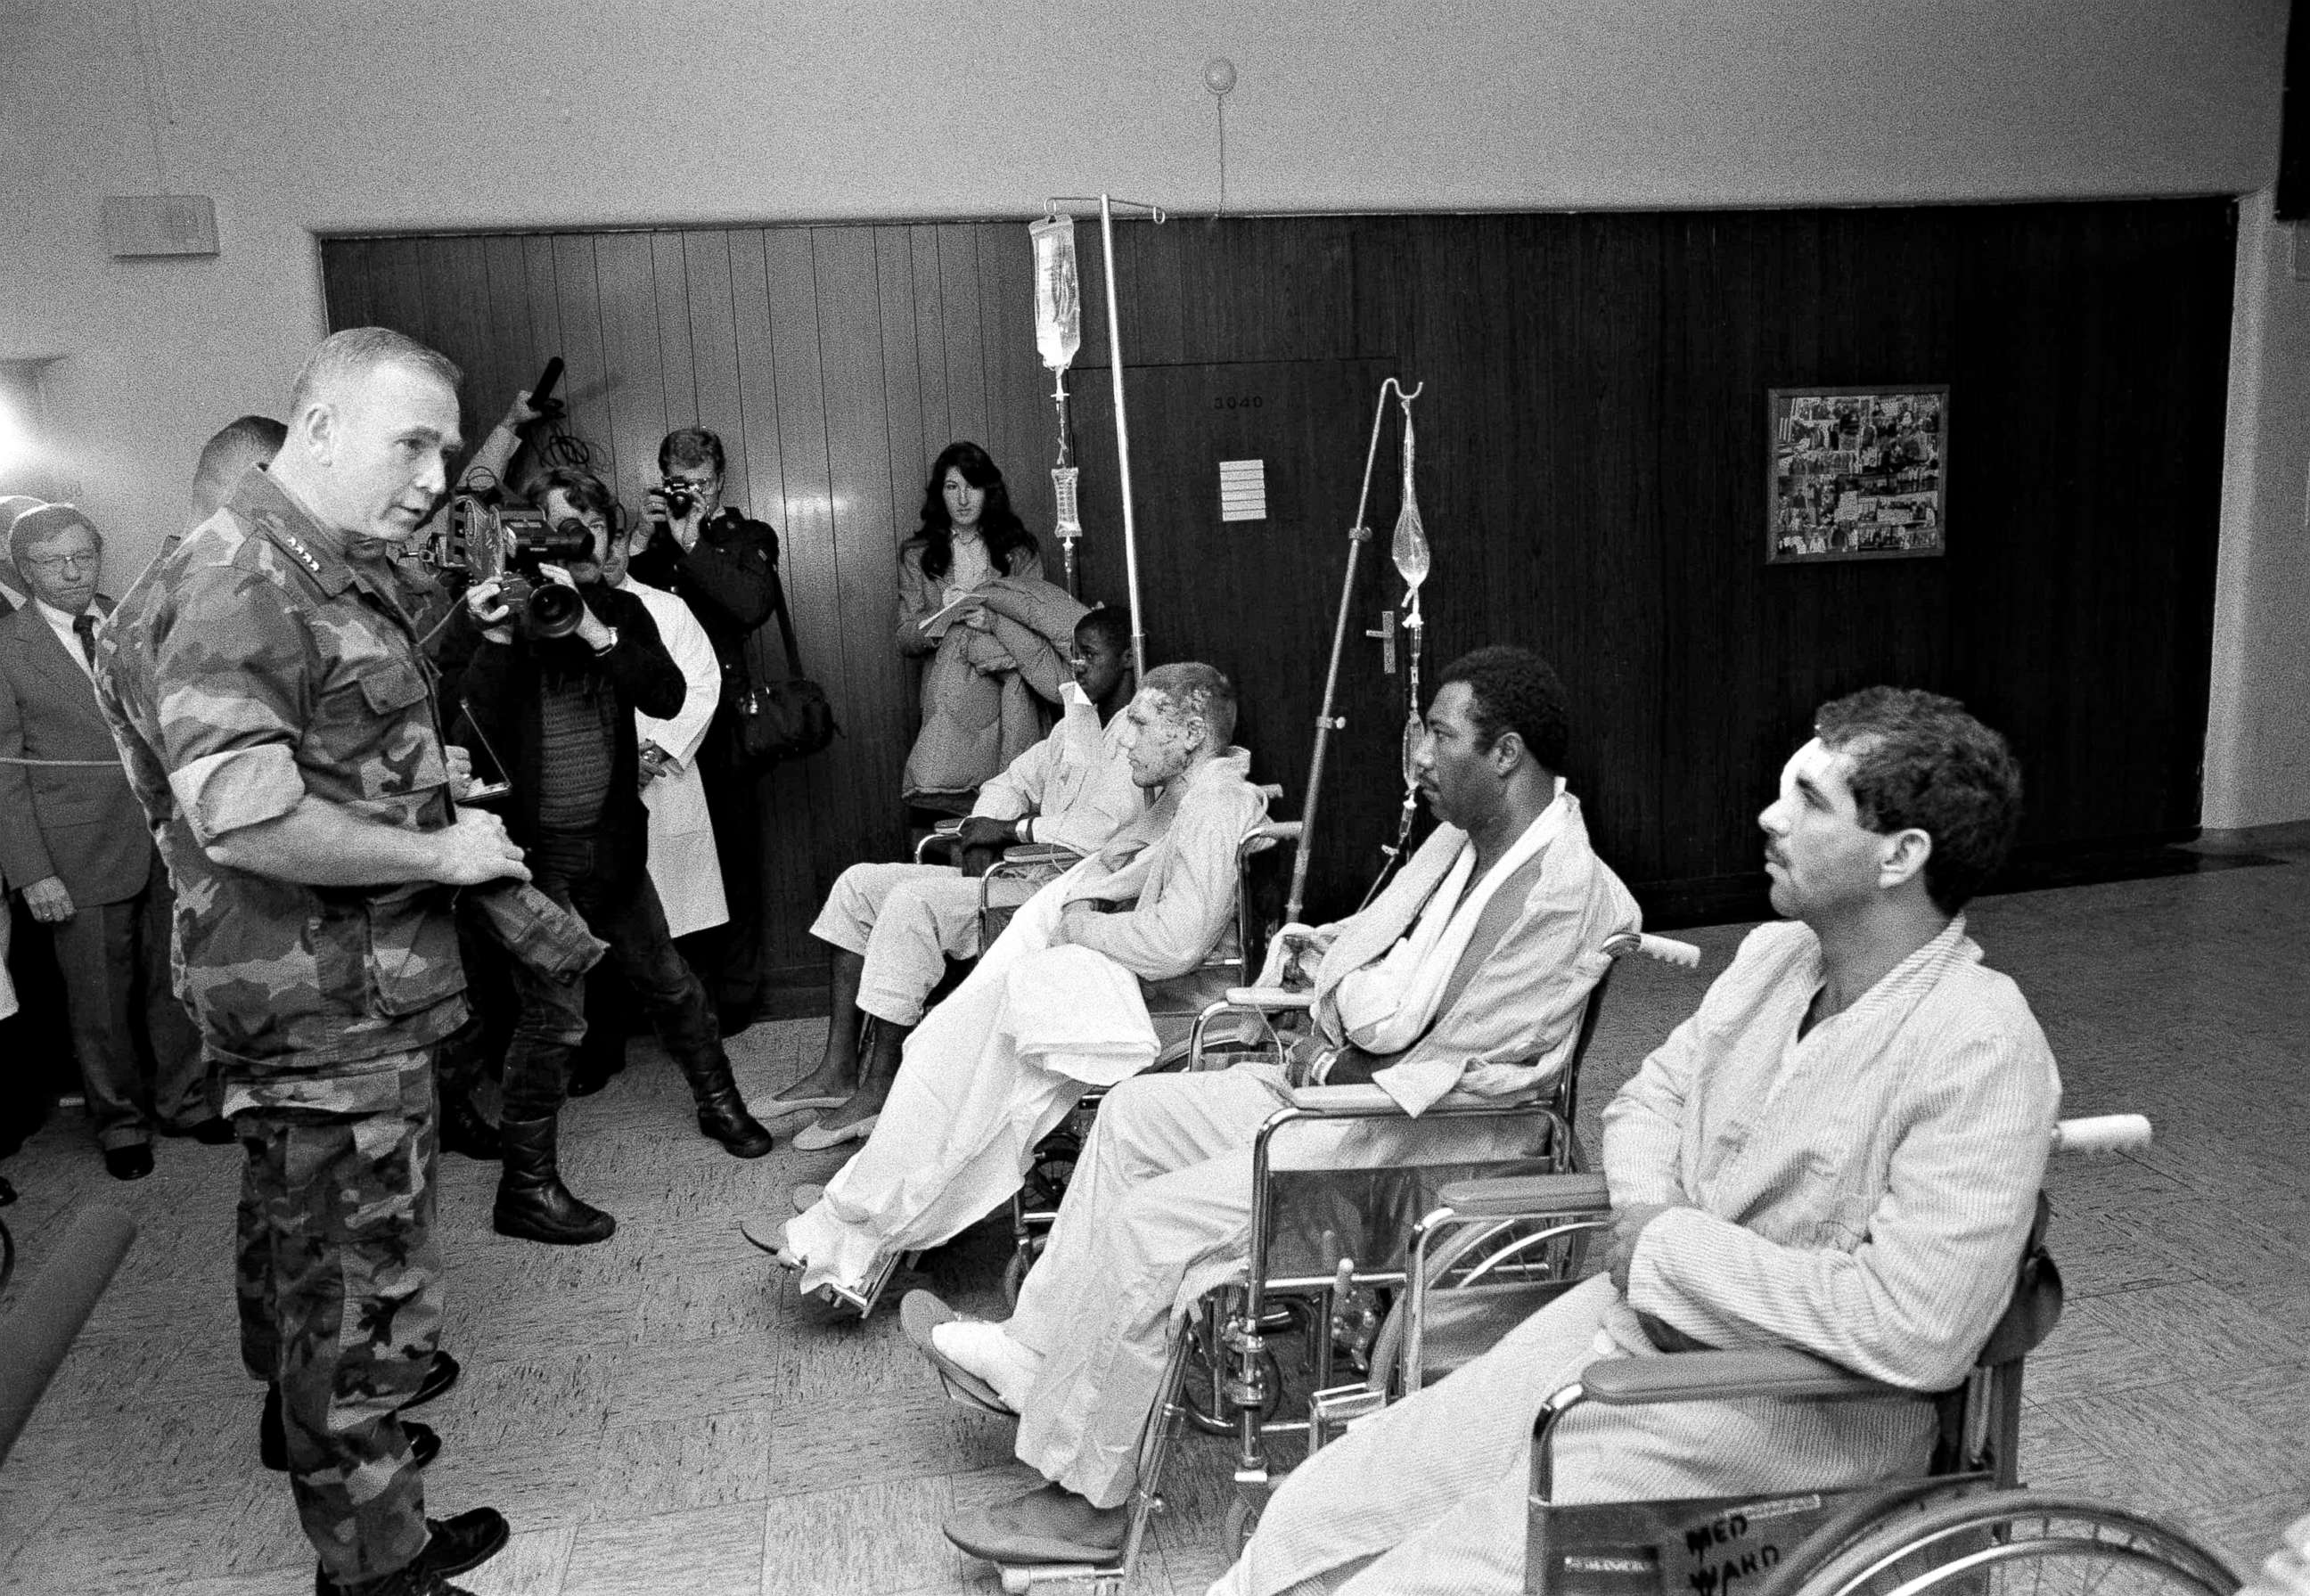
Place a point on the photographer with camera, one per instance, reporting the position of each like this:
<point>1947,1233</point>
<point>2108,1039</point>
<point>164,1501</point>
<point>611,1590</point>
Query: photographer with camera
<point>725,565</point>
<point>565,660</point>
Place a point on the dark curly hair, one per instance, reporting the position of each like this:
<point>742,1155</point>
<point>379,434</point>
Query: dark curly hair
<point>1110,625</point>
<point>1919,759</point>
<point>1514,690</point>
<point>999,526</point>
<point>585,493</point>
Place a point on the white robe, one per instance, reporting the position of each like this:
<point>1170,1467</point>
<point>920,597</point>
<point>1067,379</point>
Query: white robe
<point>685,866</point>
<point>1861,1191</point>
<point>969,1103</point>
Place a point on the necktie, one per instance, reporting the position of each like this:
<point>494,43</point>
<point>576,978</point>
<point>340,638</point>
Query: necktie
<point>84,628</point>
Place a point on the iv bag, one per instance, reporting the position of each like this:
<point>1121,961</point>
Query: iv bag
<point>1058,300</point>
<point>1408,549</point>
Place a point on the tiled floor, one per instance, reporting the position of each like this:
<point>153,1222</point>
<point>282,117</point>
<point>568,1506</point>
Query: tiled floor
<point>657,1415</point>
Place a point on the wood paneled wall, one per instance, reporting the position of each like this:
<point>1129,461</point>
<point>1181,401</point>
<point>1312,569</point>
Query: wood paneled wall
<point>1591,472</point>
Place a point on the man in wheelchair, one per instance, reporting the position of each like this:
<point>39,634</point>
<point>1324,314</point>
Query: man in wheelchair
<point>1469,974</point>
<point>1055,1006</point>
<point>893,927</point>
<point>1841,1152</point>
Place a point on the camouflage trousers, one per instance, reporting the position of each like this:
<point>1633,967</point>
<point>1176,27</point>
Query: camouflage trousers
<point>339,1281</point>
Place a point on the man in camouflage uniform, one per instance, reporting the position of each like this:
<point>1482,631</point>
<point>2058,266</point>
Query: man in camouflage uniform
<point>280,730</point>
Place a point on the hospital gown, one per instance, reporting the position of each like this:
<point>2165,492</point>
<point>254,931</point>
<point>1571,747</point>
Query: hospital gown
<point>1158,1211</point>
<point>968,1106</point>
<point>1861,1192</point>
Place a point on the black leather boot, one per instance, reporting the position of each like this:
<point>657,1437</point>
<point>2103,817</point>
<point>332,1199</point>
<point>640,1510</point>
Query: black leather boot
<point>532,1201</point>
<point>453,1544</point>
<point>721,1111</point>
<point>465,1131</point>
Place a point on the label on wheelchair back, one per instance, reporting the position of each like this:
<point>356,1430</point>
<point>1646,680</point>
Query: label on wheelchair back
<point>1721,1546</point>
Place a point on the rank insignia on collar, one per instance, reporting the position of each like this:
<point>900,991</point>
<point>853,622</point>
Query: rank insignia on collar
<point>304,554</point>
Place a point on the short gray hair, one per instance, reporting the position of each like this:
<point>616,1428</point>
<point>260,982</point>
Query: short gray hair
<point>43,524</point>
<point>1197,692</point>
<point>356,353</point>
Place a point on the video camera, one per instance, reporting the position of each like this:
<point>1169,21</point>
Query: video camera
<point>507,544</point>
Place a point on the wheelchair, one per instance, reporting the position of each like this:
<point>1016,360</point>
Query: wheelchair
<point>1181,1009</point>
<point>1174,1006</point>
<point>1496,1251</point>
<point>1325,1246</point>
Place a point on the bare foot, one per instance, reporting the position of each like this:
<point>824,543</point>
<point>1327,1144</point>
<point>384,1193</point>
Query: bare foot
<point>833,1078</point>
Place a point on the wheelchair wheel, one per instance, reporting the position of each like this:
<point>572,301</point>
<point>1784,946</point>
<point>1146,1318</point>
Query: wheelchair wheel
<point>2006,1543</point>
<point>1044,1185</point>
<point>1242,1524</point>
<point>1014,1274</point>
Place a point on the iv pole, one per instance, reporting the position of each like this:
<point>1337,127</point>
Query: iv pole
<point>1106,204</point>
<point>1326,723</point>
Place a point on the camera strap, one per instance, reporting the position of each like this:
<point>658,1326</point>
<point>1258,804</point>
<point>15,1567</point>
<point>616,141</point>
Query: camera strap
<point>786,626</point>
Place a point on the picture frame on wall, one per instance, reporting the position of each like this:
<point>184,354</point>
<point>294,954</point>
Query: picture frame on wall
<point>1857,474</point>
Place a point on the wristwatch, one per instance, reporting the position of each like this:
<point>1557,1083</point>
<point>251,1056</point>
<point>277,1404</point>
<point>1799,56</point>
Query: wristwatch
<point>612,643</point>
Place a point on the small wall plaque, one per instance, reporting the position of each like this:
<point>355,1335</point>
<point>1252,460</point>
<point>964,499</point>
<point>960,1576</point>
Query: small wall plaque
<point>1243,489</point>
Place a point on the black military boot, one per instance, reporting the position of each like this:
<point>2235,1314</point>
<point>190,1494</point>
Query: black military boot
<point>467,1540</point>
<point>272,1436</point>
<point>721,1111</point>
<point>532,1201</point>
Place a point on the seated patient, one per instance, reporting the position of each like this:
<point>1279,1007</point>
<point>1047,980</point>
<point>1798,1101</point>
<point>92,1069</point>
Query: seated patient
<point>1053,1007</point>
<point>893,927</point>
<point>1469,973</point>
<point>1840,1152</point>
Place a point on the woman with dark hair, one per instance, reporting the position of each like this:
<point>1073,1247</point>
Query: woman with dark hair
<point>972,596</point>
<point>970,534</point>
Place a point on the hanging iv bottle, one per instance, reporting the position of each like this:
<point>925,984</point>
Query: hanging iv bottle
<point>1410,550</point>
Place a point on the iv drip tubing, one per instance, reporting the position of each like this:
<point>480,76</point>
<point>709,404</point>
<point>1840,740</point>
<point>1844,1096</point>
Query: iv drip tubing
<point>1358,534</point>
<point>1121,438</point>
<point>1107,205</point>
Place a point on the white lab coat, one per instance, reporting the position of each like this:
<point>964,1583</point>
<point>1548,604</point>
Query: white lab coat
<point>683,864</point>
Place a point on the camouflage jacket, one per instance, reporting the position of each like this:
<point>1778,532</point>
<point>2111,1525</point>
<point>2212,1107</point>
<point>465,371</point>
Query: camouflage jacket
<point>255,663</point>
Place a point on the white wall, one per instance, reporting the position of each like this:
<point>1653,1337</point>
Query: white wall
<point>2258,733</point>
<point>322,115</point>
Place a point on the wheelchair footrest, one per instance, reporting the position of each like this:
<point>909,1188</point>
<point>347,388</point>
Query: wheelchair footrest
<point>1331,1411</point>
<point>1088,1579</point>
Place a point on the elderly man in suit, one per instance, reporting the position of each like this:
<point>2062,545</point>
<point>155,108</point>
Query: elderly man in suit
<point>76,847</point>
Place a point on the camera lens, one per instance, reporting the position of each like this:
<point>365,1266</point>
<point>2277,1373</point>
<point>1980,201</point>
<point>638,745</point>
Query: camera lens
<point>551,611</point>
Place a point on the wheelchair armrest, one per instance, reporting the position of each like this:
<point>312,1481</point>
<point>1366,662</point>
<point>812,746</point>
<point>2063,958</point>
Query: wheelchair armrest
<point>1780,1372</point>
<point>1526,1196</point>
<point>1266,998</point>
<point>1039,853</point>
<point>1361,1099</point>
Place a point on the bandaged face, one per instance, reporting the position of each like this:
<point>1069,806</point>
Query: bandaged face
<point>1160,738</point>
<point>1817,854</point>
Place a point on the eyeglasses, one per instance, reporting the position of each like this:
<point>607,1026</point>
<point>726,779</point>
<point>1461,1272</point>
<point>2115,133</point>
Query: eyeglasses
<point>56,562</point>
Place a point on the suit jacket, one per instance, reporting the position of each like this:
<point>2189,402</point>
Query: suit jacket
<point>87,826</point>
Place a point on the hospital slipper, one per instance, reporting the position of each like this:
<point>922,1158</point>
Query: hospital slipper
<point>778,1108</point>
<point>1046,1526</point>
<point>816,1137</point>
<point>805,1197</point>
<point>920,1315</point>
